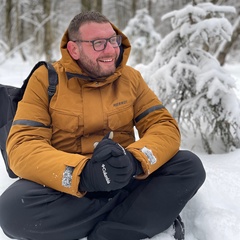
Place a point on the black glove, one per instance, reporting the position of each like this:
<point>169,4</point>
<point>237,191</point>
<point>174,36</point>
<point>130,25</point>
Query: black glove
<point>107,148</point>
<point>110,168</point>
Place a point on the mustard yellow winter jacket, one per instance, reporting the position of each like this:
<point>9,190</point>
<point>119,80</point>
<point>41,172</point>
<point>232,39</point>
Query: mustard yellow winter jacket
<point>46,139</point>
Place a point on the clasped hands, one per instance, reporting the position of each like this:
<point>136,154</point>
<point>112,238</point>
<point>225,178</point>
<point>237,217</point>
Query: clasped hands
<point>110,168</point>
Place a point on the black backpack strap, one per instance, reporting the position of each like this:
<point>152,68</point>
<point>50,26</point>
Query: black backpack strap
<point>52,78</point>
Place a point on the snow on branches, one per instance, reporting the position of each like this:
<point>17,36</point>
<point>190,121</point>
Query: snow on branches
<point>189,79</point>
<point>143,37</point>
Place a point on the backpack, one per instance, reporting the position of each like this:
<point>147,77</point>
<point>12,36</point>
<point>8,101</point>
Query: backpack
<point>9,98</point>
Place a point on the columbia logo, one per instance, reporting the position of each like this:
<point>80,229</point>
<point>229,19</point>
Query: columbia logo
<point>104,170</point>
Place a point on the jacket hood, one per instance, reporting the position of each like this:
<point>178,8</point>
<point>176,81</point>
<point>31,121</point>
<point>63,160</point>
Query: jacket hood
<point>71,65</point>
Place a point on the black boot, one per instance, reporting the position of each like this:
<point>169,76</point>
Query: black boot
<point>178,226</point>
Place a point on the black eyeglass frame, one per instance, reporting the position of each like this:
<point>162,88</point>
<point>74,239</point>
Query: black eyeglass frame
<point>93,42</point>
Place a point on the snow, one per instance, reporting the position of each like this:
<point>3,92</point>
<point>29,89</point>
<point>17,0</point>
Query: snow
<point>212,214</point>
<point>189,79</point>
<point>143,37</point>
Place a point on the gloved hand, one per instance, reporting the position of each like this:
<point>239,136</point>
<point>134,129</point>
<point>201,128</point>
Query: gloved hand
<point>104,149</point>
<point>110,168</point>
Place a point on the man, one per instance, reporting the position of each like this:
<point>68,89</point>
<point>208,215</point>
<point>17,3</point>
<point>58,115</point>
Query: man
<point>81,171</point>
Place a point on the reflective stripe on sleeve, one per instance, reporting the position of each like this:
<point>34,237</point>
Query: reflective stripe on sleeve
<point>29,123</point>
<point>146,112</point>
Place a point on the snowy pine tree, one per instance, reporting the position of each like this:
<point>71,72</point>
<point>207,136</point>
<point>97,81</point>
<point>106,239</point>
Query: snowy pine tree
<point>189,79</point>
<point>143,37</point>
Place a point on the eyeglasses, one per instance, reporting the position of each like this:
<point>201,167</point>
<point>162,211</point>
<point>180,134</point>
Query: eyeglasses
<point>100,44</point>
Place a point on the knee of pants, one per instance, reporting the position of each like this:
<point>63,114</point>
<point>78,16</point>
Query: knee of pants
<point>194,166</point>
<point>12,211</point>
<point>7,218</point>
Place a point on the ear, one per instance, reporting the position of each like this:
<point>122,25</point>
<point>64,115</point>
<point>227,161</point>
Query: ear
<point>73,50</point>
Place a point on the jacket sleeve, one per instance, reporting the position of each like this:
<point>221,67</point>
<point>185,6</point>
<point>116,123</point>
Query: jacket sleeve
<point>30,153</point>
<point>159,136</point>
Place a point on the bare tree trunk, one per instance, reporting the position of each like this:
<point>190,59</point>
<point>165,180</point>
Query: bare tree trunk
<point>214,1</point>
<point>20,30</point>
<point>95,5</point>
<point>48,36</point>
<point>9,23</point>
<point>150,7</point>
<point>134,6</point>
<point>228,45</point>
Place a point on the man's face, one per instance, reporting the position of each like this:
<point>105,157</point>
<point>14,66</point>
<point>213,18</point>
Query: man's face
<point>97,63</point>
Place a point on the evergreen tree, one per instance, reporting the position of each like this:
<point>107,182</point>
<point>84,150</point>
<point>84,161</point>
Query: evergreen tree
<point>143,37</point>
<point>190,80</point>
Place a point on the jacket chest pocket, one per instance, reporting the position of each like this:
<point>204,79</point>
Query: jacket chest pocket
<point>66,130</point>
<point>65,122</point>
<point>120,118</point>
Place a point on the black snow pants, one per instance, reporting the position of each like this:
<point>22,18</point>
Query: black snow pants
<point>144,208</point>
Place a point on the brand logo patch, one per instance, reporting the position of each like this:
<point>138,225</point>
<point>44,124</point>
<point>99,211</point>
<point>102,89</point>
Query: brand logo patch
<point>104,170</point>
<point>120,103</point>
<point>67,177</point>
<point>151,158</point>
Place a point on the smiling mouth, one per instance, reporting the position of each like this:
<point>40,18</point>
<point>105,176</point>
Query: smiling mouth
<point>106,60</point>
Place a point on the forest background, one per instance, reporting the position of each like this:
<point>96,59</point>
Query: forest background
<point>179,46</point>
<point>31,30</point>
<point>36,26</point>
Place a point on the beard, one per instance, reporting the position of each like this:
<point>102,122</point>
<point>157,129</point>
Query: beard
<point>96,68</point>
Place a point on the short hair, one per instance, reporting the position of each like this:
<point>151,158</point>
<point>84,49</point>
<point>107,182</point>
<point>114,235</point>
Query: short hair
<point>82,18</point>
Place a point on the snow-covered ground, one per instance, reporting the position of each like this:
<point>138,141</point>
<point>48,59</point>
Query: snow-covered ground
<point>212,214</point>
